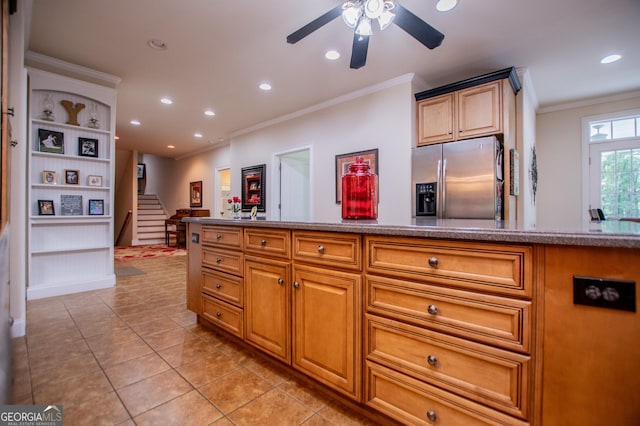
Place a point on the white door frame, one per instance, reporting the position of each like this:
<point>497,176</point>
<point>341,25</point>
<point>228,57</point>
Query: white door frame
<point>218,192</point>
<point>275,178</point>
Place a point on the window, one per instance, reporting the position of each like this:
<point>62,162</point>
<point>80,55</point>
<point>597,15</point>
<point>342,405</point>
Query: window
<point>614,165</point>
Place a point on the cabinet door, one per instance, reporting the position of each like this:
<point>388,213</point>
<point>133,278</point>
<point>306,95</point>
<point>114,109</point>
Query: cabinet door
<point>435,119</point>
<point>479,110</point>
<point>327,327</point>
<point>267,306</point>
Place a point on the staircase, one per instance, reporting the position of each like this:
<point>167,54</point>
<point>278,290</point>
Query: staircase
<point>151,217</point>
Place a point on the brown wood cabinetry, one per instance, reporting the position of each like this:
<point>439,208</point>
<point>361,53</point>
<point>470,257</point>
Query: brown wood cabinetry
<point>467,113</point>
<point>445,329</point>
<point>221,275</point>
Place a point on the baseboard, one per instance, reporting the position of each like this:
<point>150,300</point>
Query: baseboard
<point>18,328</point>
<point>69,288</point>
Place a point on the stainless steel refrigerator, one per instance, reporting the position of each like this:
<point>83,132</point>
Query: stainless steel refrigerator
<point>459,180</point>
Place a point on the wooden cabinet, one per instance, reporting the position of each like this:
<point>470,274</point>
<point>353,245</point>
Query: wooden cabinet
<point>221,282</point>
<point>456,317</point>
<point>472,112</point>
<point>327,327</point>
<point>268,306</point>
<point>70,191</point>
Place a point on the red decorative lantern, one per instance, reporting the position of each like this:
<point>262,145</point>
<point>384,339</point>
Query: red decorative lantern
<point>359,192</point>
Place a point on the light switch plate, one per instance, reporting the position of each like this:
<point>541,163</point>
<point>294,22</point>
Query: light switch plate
<point>604,293</point>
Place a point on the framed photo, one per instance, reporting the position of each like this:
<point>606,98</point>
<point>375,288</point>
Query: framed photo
<point>142,171</point>
<point>71,205</point>
<point>343,161</point>
<point>94,180</point>
<point>50,141</point>
<point>71,177</point>
<point>195,194</point>
<point>45,208</point>
<point>49,177</point>
<point>88,147</point>
<point>96,207</point>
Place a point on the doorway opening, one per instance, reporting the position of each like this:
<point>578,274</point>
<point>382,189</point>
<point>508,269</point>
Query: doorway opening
<point>222,192</point>
<point>292,185</point>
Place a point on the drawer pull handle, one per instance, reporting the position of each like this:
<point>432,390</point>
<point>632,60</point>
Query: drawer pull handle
<point>321,249</point>
<point>218,236</point>
<point>432,360</point>
<point>433,262</point>
<point>263,243</point>
<point>280,281</point>
<point>431,415</point>
<point>218,285</point>
<point>218,260</point>
<point>432,309</point>
<point>296,284</point>
<point>218,314</point>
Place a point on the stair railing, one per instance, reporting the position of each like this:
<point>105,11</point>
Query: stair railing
<point>124,226</point>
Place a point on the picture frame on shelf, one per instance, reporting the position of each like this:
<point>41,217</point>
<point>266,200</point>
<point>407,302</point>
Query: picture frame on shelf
<point>87,147</point>
<point>94,180</point>
<point>49,177</point>
<point>50,141</point>
<point>343,161</point>
<point>142,171</point>
<point>46,208</point>
<point>71,177</point>
<point>195,194</point>
<point>71,205</point>
<point>96,207</point>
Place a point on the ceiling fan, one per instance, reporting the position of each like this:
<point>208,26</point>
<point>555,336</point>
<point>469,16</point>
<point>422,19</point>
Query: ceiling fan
<point>359,14</point>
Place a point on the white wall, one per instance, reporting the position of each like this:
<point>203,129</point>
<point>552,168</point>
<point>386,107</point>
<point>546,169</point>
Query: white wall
<point>383,119</point>
<point>526,105</point>
<point>559,142</point>
<point>169,179</point>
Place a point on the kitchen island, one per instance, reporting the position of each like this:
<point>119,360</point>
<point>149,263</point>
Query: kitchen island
<point>434,322</point>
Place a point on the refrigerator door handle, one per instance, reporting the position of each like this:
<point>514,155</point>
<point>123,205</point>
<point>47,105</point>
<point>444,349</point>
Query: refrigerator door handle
<point>444,188</point>
<point>438,191</point>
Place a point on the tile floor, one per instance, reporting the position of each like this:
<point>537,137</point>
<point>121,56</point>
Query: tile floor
<point>133,354</point>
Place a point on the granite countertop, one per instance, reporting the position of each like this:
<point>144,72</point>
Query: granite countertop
<point>610,233</point>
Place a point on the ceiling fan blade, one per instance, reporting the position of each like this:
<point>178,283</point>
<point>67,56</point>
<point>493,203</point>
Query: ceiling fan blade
<point>359,51</point>
<point>417,28</point>
<point>314,25</point>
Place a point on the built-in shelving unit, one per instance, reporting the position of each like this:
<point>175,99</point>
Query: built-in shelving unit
<point>70,250</point>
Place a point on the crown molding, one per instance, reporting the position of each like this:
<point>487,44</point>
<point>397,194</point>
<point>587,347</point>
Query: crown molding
<point>590,101</point>
<point>47,63</point>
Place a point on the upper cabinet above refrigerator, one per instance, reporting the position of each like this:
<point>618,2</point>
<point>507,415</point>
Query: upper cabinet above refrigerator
<point>471,108</point>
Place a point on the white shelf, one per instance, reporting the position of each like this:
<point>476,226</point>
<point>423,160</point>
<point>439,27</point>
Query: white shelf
<point>68,254</point>
<point>69,126</point>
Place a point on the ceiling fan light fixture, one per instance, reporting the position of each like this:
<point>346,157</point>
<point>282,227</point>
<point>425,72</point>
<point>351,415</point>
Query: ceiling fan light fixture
<point>351,14</point>
<point>386,19</point>
<point>373,8</point>
<point>364,27</point>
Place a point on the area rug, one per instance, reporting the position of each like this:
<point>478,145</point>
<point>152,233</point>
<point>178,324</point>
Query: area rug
<point>127,271</point>
<point>146,252</point>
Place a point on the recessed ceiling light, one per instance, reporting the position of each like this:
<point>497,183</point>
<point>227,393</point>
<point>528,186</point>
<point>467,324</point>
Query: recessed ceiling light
<point>157,44</point>
<point>265,86</point>
<point>171,146</point>
<point>332,55</point>
<point>135,122</point>
<point>610,58</point>
<point>166,101</point>
<point>209,113</point>
<point>197,135</point>
<point>446,5</point>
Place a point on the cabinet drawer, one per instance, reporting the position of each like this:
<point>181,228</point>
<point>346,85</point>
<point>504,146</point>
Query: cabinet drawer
<point>268,242</point>
<point>223,315</point>
<point>222,236</point>
<point>485,374</point>
<point>505,269</point>
<point>417,403</point>
<point>223,260</point>
<point>488,319</point>
<point>223,286</point>
<point>329,249</point>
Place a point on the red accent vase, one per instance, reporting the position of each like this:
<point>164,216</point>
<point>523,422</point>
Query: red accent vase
<point>359,192</point>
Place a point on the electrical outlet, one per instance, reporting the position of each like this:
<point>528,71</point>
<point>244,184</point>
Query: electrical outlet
<point>604,293</point>
<point>195,237</point>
